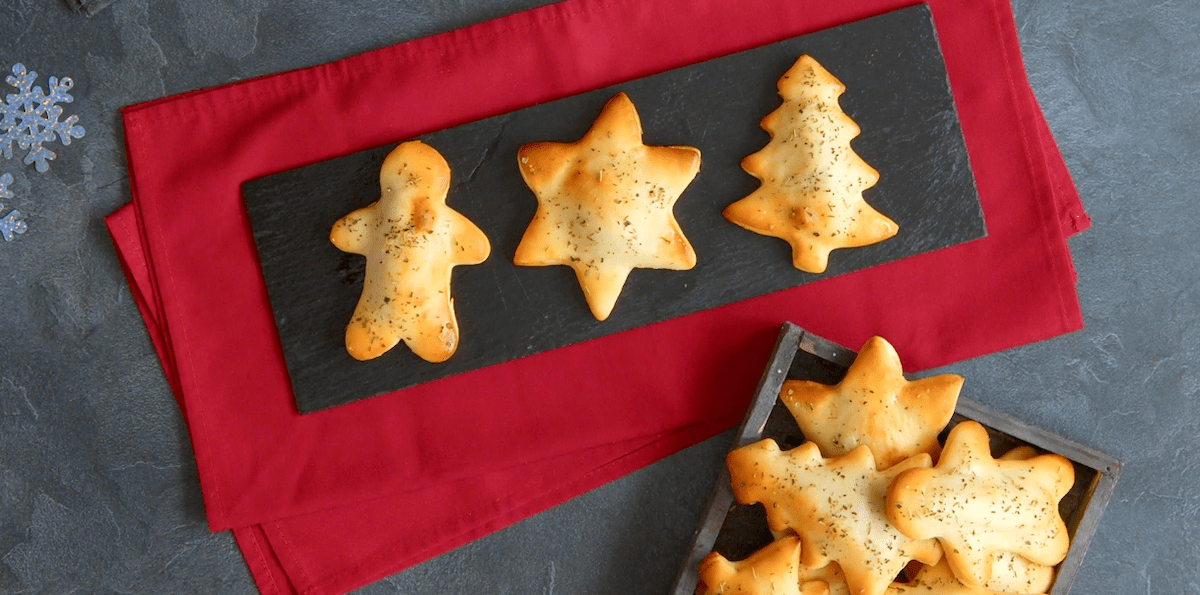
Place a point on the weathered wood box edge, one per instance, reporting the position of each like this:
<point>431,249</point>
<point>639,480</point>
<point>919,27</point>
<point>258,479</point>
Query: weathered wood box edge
<point>1096,472</point>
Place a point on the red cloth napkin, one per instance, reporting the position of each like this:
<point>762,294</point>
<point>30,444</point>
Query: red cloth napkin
<point>326,502</point>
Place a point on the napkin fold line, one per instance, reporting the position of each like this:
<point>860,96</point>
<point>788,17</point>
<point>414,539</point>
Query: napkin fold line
<point>192,409</point>
<point>352,576</point>
<point>1039,142</point>
<point>1038,167</point>
<point>118,225</point>
<point>265,567</point>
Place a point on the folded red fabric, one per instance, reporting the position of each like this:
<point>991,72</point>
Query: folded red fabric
<point>297,488</point>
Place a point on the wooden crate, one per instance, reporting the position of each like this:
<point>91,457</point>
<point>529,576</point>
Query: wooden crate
<point>737,530</point>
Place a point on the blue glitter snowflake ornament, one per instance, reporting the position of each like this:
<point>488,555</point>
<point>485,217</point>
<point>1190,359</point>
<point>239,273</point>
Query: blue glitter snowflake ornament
<point>30,117</point>
<point>10,224</point>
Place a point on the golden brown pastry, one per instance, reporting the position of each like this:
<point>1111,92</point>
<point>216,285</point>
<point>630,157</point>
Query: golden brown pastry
<point>874,405</point>
<point>1025,578</point>
<point>772,570</point>
<point>834,505</point>
<point>976,505</point>
<point>812,181</point>
<point>605,204</point>
<point>411,240</point>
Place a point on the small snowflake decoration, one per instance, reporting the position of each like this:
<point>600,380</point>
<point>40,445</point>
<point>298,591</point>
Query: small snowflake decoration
<point>10,224</point>
<point>30,117</point>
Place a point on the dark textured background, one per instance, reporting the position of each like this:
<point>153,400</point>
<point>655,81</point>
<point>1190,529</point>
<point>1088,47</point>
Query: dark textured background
<point>98,491</point>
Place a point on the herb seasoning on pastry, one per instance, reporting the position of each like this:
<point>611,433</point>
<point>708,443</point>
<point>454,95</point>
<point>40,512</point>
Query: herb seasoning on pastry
<point>874,405</point>
<point>939,579</point>
<point>836,507</point>
<point>411,240</point>
<point>605,204</point>
<point>812,181</point>
<point>976,505</point>
<point>772,570</point>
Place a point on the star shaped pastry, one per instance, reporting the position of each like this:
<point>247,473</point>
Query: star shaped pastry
<point>874,405</point>
<point>411,240</point>
<point>605,204</point>
<point>976,505</point>
<point>812,180</point>
<point>835,506</point>
<point>772,570</point>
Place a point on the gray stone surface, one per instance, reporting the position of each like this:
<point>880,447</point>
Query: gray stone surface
<point>98,491</point>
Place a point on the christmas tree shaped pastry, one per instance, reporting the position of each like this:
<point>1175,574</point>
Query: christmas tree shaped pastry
<point>411,240</point>
<point>812,181</point>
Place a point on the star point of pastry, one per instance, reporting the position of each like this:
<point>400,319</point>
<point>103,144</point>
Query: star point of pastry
<point>605,204</point>
<point>411,240</point>
<point>835,506</point>
<point>874,405</point>
<point>976,505</point>
<point>811,179</point>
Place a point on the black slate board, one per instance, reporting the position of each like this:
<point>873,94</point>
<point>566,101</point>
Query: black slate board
<point>897,92</point>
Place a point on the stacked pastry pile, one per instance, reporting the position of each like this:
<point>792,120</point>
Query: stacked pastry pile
<point>322,503</point>
<point>861,502</point>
